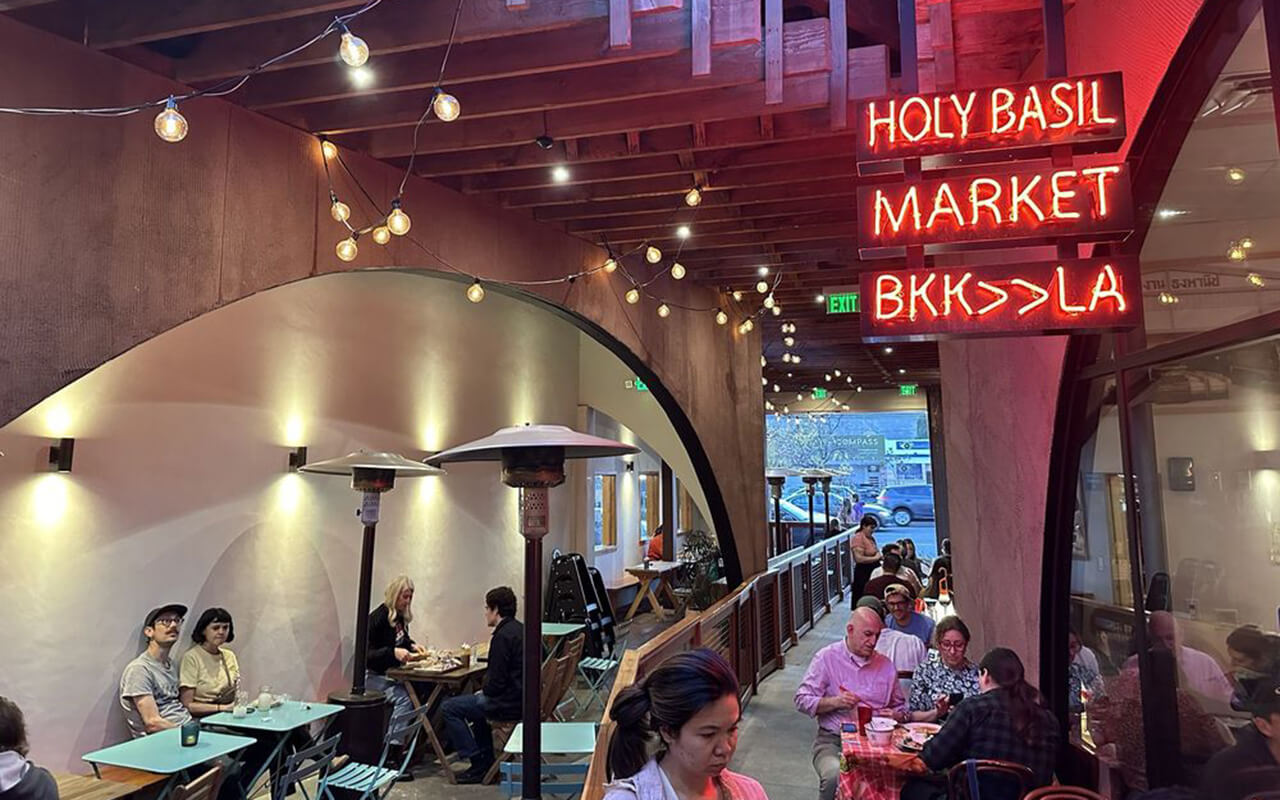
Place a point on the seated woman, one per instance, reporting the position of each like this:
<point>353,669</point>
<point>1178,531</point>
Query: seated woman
<point>1006,722</point>
<point>689,706</point>
<point>19,778</point>
<point>946,672</point>
<point>209,675</point>
<point>390,645</point>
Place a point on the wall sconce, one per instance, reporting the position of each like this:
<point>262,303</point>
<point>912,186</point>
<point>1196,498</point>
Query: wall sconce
<point>297,458</point>
<point>60,455</point>
<point>631,466</point>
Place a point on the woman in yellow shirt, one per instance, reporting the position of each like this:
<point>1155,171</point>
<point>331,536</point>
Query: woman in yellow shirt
<point>209,675</point>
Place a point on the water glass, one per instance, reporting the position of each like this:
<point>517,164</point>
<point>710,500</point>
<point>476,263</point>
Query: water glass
<point>241,707</point>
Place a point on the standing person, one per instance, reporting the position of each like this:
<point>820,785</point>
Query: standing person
<point>941,567</point>
<point>842,676</point>
<point>19,778</point>
<point>1006,721</point>
<point>894,566</point>
<point>910,560</point>
<point>945,673</point>
<point>466,717</point>
<point>688,707</point>
<point>149,684</point>
<point>903,616</point>
<point>390,646</point>
<point>865,554</point>
<point>209,674</point>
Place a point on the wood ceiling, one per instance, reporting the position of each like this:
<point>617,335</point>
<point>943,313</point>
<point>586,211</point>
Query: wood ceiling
<point>749,99</point>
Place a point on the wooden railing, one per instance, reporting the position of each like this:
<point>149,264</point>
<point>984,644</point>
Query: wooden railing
<point>751,627</point>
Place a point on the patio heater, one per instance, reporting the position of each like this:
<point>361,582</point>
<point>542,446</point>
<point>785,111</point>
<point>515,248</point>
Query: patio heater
<point>776,477</point>
<point>372,474</point>
<point>810,477</point>
<point>533,459</point>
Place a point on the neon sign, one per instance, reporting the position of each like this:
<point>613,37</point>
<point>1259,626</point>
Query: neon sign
<point>1088,203</point>
<point>1085,112</point>
<point>1075,295</point>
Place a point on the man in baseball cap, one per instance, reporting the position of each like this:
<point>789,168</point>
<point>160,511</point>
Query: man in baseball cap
<point>149,685</point>
<point>900,601</point>
<point>1252,764</point>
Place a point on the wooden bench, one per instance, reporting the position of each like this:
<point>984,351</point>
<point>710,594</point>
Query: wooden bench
<point>621,593</point>
<point>87,787</point>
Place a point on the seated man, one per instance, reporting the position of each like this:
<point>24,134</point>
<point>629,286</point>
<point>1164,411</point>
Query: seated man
<point>842,676</point>
<point>903,616</point>
<point>904,650</point>
<point>887,576</point>
<point>19,778</point>
<point>1202,673</point>
<point>149,685</point>
<point>1252,764</point>
<point>466,716</point>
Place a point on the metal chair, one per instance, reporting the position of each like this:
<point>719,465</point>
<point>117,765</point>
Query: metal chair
<point>557,779</point>
<point>1063,793</point>
<point>317,760</point>
<point>964,780</point>
<point>566,696</point>
<point>556,675</point>
<point>376,780</point>
<point>204,787</point>
<point>597,672</point>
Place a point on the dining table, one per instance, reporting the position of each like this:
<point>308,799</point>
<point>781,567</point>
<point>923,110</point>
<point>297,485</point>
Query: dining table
<point>553,633</point>
<point>875,772</point>
<point>276,725</point>
<point>460,679</point>
<point>655,582</point>
<point>162,753</point>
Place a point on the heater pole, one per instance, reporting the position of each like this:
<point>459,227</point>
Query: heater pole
<point>534,514</point>
<point>777,525</point>
<point>369,516</point>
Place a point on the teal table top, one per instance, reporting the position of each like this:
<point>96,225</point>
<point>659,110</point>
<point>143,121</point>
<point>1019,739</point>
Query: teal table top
<point>560,628</point>
<point>281,719</point>
<point>163,752</point>
<point>570,738</point>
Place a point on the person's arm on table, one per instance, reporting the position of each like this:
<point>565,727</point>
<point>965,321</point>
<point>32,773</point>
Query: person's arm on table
<point>811,695</point>
<point>949,745</point>
<point>187,694</point>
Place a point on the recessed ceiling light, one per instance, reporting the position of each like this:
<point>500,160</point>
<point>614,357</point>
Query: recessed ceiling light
<point>683,231</point>
<point>822,298</point>
<point>560,174</point>
<point>901,371</point>
<point>762,271</point>
<point>361,76</point>
<point>888,350</point>
<point>1171,213</point>
<point>1235,175</point>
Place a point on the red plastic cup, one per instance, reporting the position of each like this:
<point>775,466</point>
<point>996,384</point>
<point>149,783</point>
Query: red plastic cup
<point>864,719</point>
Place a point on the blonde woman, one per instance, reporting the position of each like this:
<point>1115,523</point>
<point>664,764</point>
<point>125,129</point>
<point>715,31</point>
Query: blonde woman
<point>390,644</point>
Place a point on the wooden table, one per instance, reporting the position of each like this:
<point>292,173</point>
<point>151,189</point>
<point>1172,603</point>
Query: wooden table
<point>278,724</point>
<point>163,753</point>
<point>654,581</point>
<point>456,679</point>
<point>83,787</point>
<point>872,772</point>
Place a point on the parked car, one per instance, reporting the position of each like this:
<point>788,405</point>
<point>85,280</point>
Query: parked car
<point>907,503</point>
<point>795,520</point>
<point>881,513</point>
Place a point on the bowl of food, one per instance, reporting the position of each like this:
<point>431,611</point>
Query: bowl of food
<point>880,731</point>
<point>921,732</point>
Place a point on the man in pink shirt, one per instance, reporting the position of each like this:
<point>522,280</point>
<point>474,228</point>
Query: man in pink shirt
<point>842,676</point>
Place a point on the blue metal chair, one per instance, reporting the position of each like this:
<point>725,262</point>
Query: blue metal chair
<point>966,779</point>
<point>297,769</point>
<point>557,779</point>
<point>375,780</point>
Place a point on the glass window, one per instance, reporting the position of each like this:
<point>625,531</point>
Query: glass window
<point>604,510</point>
<point>650,504</point>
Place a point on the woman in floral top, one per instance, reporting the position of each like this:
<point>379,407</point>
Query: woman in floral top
<point>945,672</point>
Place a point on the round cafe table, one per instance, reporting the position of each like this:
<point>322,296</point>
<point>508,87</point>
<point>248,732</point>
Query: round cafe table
<point>868,772</point>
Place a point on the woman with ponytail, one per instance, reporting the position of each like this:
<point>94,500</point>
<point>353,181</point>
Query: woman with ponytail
<point>1007,721</point>
<point>675,732</point>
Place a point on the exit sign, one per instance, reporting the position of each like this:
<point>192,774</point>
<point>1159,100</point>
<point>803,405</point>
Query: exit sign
<point>843,303</point>
<point>820,394</point>
<point>908,389</point>
<point>641,386</point>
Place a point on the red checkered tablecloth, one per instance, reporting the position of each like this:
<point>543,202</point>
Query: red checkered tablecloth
<point>868,772</point>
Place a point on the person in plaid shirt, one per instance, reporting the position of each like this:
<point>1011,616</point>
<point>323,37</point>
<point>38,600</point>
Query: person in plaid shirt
<point>1006,722</point>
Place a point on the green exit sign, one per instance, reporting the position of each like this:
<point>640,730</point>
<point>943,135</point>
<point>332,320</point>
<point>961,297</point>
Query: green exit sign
<point>843,303</point>
<point>908,389</point>
<point>820,394</point>
<point>641,386</point>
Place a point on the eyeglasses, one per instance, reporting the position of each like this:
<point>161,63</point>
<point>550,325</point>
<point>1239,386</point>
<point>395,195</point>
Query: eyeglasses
<point>898,604</point>
<point>953,645</point>
<point>169,621</point>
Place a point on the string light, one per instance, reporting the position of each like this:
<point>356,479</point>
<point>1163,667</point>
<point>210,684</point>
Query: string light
<point>1257,280</point>
<point>762,286</point>
<point>693,197</point>
<point>678,271</point>
<point>652,254</point>
<point>1235,175</point>
<point>764,381</point>
<point>827,377</point>
<point>786,358</point>
<point>170,124</point>
<point>763,362</point>
<point>762,271</point>
<point>721,317</point>
<point>1236,252</point>
<point>610,265</point>
<point>799,397</point>
<point>559,174</point>
<point>339,210</point>
<point>683,232</point>
<point>633,295</point>
<point>381,234</point>
<point>747,326</point>
<point>821,298</point>
<point>859,389</point>
<point>737,296</point>
<point>1246,243</point>
<point>837,373</point>
<point>768,301</point>
<point>777,388</point>
<point>329,149</point>
<point>789,341</point>
<point>795,358</point>
<point>347,249</point>
<point>475,292</point>
<point>888,350</point>
<point>786,409</point>
<point>445,106</point>
<point>1167,298</point>
<point>398,222</point>
<point>777,310</point>
<point>352,49</point>
<point>664,310</point>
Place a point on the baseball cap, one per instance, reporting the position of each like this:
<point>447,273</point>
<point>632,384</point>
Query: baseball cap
<point>176,608</point>
<point>897,588</point>
<point>1265,700</point>
<point>872,602</point>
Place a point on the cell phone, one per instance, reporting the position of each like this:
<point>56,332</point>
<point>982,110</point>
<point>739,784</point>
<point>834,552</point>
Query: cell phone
<point>954,698</point>
<point>849,727</point>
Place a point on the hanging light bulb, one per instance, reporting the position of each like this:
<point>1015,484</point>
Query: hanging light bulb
<point>763,362</point>
<point>721,317</point>
<point>768,301</point>
<point>475,292</point>
<point>445,106</point>
<point>762,286</point>
<point>799,397</point>
<point>1167,298</point>
<point>683,232</point>
<point>1256,280</point>
<point>786,358</point>
<point>381,234</point>
<point>777,388</point>
<point>1235,175</point>
<point>1246,242</point>
<point>352,50</point>
<point>652,254</point>
<point>610,265</point>
<point>836,373</point>
<point>693,197</point>
<point>1236,252</point>
<point>664,310</point>
<point>633,295</point>
<point>849,380</point>
<point>789,341</point>
<point>764,381</point>
<point>795,358</point>
<point>827,377</point>
<point>347,249</point>
<point>170,124</point>
<point>777,310</point>
<point>737,295</point>
<point>786,409</point>
<point>339,210</point>
<point>329,149</point>
<point>859,389</point>
<point>678,271</point>
<point>398,222</point>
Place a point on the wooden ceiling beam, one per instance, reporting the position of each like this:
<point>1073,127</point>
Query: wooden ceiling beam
<point>663,232</point>
<point>717,214</point>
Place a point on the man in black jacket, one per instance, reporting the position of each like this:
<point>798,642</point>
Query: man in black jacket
<point>1253,763</point>
<point>466,716</point>
<point>19,778</point>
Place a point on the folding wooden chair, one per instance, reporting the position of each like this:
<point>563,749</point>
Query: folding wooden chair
<point>375,780</point>
<point>204,787</point>
<point>965,779</point>
<point>317,760</point>
<point>573,652</point>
